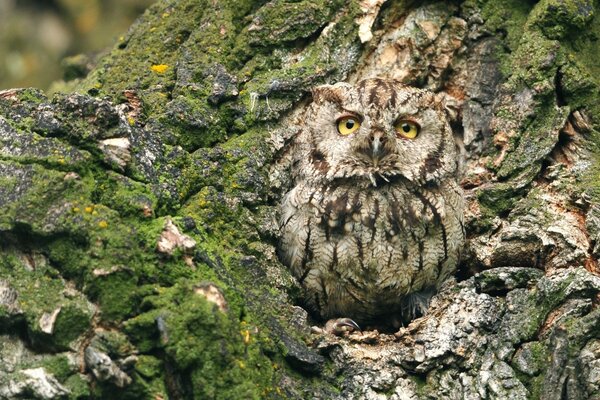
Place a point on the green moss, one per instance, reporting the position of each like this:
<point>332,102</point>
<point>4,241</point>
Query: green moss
<point>539,354</point>
<point>148,376</point>
<point>558,18</point>
<point>550,62</point>
<point>580,88</point>
<point>591,181</point>
<point>225,228</point>
<point>532,203</point>
<point>577,85</point>
<point>280,21</point>
<point>39,189</point>
<point>498,199</point>
<point>106,270</point>
<point>78,386</point>
<point>115,261</point>
<point>70,256</point>
<point>116,294</point>
<point>167,35</point>
<point>118,265</point>
<point>233,50</point>
<point>175,59</point>
<point>536,142</point>
<point>507,17</point>
<point>24,101</point>
<point>113,342</point>
<point>533,63</point>
<point>575,331</point>
<point>533,309</point>
<point>72,321</point>
<point>159,32</point>
<point>421,383</point>
<point>40,295</point>
<point>535,385</point>
<point>30,96</point>
<point>60,366</point>
<point>191,117</point>
<point>142,329</point>
<point>149,366</point>
<point>49,152</point>
<point>584,46</point>
<point>134,391</point>
<point>204,341</point>
<point>128,197</point>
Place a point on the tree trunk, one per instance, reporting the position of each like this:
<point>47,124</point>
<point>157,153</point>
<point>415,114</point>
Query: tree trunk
<point>137,232</point>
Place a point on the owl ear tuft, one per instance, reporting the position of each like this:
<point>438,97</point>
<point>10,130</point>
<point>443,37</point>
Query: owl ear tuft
<point>450,104</point>
<point>326,93</point>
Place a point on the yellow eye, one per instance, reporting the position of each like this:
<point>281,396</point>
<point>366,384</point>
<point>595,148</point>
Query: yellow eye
<point>407,129</point>
<point>348,125</point>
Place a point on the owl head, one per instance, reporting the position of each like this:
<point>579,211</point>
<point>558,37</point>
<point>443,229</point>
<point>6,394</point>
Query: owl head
<point>380,131</point>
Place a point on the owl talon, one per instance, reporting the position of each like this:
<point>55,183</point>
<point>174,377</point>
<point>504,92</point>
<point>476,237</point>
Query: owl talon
<point>340,326</point>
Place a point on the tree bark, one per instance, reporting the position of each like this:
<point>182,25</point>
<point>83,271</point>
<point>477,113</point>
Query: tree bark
<point>137,211</point>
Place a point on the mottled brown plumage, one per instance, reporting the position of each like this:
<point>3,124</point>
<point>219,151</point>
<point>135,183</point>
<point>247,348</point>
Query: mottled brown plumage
<point>373,217</point>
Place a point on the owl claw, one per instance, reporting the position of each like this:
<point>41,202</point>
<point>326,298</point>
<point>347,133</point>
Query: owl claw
<point>339,326</point>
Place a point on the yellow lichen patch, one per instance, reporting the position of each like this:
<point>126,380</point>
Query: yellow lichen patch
<point>159,68</point>
<point>202,203</point>
<point>103,224</point>
<point>246,335</point>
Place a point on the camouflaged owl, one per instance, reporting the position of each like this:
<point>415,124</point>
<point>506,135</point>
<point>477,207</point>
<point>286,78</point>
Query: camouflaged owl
<point>374,222</point>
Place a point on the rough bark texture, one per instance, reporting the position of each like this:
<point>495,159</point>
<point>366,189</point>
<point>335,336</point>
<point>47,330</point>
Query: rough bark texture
<point>137,213</point>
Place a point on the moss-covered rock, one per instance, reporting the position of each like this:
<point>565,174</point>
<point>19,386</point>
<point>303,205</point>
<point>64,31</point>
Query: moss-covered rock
<point>54,315</point>
<point>549,73</point>
<point>186,77</point>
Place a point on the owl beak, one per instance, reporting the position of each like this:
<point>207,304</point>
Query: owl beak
<point>376,142</point>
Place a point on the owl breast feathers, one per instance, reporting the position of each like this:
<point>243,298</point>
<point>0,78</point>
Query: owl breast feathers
<point>375,212</point>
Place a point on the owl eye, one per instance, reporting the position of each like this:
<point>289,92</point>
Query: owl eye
<point>348,125</point>
<point>407,129</point>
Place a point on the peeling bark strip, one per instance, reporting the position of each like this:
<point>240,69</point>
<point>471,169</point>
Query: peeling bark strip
<point>370,9</point>
<point>88,181</point>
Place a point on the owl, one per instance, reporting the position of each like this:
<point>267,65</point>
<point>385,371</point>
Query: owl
<point>374,221</point>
